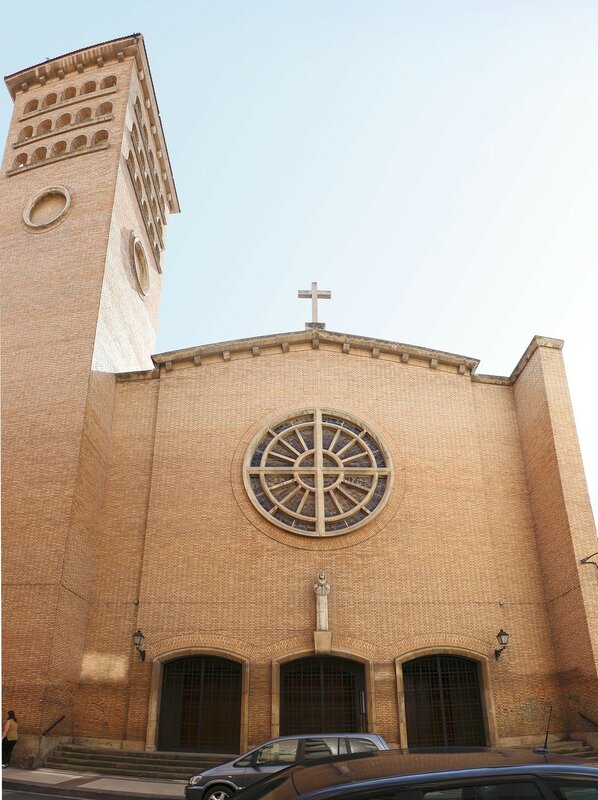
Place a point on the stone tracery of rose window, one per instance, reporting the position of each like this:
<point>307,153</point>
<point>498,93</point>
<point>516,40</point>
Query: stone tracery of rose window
<point>318,473</point>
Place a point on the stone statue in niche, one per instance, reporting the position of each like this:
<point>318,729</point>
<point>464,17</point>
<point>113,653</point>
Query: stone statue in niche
<point>322,590</point>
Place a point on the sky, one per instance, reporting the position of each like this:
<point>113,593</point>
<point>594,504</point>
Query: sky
<point>431,162</point>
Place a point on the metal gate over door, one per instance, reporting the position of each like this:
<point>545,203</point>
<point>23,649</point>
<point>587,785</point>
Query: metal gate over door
<point>442,702</point>
<point>322,695</point>
<point>200,708</point>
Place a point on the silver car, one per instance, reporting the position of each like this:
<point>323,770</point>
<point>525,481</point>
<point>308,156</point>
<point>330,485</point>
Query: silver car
<point>219,783</point>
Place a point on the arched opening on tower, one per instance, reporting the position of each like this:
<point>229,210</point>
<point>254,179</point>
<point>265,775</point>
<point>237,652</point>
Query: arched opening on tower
<point>322,694</point>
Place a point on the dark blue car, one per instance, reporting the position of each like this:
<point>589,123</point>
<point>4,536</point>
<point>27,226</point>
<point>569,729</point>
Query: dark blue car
<point>492,774</point>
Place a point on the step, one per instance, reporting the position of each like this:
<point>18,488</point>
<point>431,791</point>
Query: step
<point>116,756</point>
<point>569,747</point>
<point>133,763</point>
<point>216,758</point>
<point>184,769</point>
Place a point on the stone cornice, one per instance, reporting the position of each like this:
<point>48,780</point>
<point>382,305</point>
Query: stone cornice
<point>316,339</point>
<point>142,375</point>
<point>536,342</point>
<point>97,55</point>
<point>331,341</point>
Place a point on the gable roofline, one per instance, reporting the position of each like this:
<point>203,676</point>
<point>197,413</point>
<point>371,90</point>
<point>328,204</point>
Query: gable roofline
<point>315,337</point>
<point>234,349</point>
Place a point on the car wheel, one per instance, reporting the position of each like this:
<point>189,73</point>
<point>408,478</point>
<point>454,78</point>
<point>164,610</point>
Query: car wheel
<point>218,793</point>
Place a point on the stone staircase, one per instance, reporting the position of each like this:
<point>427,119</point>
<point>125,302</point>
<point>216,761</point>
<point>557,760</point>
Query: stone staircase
<point>567,747</point>
<point>131,763</point>
<point>572,747</point>
<point>180,766</point>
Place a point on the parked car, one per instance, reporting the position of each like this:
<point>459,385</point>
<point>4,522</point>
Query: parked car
<point>479,774</point>
<point>218,783</point>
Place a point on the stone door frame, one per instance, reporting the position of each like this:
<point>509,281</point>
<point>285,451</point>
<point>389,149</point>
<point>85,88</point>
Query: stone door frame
<point>368,670</point>
<point>153,718</point>
<point>484,681</point>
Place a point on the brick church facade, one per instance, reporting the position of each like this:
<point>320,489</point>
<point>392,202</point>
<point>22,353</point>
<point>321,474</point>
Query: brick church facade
<point>197,495</point>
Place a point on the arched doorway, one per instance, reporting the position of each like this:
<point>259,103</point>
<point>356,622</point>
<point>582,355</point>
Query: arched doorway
<point>322,694</point>
<point>443,704</point>
<point>200,705</point>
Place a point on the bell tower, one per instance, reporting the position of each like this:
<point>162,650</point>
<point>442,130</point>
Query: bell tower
<point>87,190</point>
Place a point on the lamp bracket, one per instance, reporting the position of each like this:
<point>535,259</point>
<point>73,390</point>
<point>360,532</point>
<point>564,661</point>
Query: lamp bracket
<point>588,560</point>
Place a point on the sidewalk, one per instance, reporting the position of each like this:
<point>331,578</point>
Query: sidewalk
<point>95,787</point>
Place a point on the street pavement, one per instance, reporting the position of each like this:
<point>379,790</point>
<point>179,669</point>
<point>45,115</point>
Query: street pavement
<point>95,787</point>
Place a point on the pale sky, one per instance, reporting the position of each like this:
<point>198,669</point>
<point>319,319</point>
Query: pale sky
<point>432,163</point>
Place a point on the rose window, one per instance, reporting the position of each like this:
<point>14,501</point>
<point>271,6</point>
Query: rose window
<point>318,473</point>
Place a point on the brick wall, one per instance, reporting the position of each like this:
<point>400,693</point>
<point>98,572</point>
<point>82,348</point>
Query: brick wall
<point>454,556</point>
<point>565,531</point>
<point>124,505</point>
<point>68,299</point>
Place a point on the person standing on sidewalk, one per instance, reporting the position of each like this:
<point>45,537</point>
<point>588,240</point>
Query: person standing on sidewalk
<point>10,736</point>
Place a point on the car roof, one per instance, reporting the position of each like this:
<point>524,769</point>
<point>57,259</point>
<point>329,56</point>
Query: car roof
<point>306,778</point>
<point>332,735</point>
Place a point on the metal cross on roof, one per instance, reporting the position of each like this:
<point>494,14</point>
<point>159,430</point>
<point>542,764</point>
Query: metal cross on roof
<point>314,295</point>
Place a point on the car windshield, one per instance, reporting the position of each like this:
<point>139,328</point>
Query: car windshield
<point>281,787</point>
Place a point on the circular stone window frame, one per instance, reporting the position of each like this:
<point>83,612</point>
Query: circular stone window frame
<point>142,281</point>
<point>319,472</point>
<point>42,227</point>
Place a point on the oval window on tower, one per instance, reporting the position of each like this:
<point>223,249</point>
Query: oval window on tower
<point>139,264</point>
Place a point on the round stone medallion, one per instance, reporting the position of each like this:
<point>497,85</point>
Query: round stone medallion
<point>47,208</point>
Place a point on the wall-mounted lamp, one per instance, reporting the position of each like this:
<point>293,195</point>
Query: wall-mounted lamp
<point>589,560</point>
<point>138,638</point>
<point>503,640</point>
